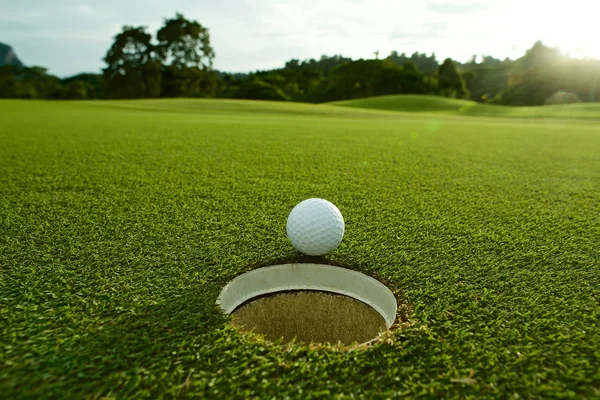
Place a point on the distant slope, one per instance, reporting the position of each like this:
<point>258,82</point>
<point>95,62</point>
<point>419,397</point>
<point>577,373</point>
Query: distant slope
<point>258,108</point>
<point>434,104</point>
<point>8,56</point>
<point>409,103</point>
<point>388,107</point>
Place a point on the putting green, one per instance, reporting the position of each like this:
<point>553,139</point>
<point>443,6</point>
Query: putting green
<point>121,222</point>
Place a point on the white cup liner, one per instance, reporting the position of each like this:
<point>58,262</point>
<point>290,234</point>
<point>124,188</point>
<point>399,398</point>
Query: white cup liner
<point>318,277</point>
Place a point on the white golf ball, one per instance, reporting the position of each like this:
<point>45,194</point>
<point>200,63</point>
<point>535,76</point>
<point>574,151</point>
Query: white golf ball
<point>315,227</point>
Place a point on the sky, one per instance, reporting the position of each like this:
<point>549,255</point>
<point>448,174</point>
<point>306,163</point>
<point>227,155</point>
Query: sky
<point>72,36</point>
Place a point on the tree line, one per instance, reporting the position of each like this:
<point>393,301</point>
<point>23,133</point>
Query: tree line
<point>177,61</point>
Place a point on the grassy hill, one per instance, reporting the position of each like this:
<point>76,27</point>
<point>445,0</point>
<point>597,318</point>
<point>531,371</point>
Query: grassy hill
<point>403,106</point>
<point>122,221</point>
<point>441,105</point>
<point>227,106</point>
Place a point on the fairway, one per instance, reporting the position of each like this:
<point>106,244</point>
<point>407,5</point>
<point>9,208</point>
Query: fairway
<point>448,106</point>
<point>120,222</point>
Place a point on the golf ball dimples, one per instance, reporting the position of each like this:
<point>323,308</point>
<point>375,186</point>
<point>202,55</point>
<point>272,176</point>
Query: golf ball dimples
<point>315,227</point>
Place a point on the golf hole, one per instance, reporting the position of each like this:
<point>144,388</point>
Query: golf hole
<point>309,303</point>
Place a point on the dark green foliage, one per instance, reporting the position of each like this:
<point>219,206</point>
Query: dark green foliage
<point>94,84</point>
<point>179,64</point>
<point>228,85</point>
<point>362,78</point>
<point>305,80</point>
<point>426,64</point>
<point>187,56</point>
<point>185,43</point>
<point>184,81</point>
<point>301,81</point>
<point>9,82</point>
<point>35,83</point>
<point>28,83</point>
<point>486,81</point>
<point>368,78</point>
<point>320,67</point>
<point>140,82</point>
<point>75,90</point>
<point>133,65</point>
<point>450,82</point>
<point>121,222</point>
<point>257,89</point>
<point>469,81</point>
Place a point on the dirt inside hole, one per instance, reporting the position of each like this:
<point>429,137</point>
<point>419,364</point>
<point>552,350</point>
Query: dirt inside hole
<point>310,317</point>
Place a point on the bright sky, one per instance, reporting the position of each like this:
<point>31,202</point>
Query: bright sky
<point>72,36</point>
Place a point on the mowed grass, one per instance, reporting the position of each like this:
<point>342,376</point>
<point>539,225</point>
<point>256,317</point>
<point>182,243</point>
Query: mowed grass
<point>121,222</point>
<point>441,105</point>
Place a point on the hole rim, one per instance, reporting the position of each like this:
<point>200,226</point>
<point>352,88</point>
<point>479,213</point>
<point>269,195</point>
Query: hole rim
<point>308,276</point>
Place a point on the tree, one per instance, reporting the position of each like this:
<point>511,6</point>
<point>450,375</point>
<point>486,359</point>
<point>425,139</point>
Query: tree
<point>450,82</point>
<point>539,55</point>
<point>28,83</point>
<point>134,67</point>
<point>8,81</point>
<point>542,72</point>
<point>428,65</point>
<point>410,66</point>
<point>469,79</point>
<point>75,90</point>
<point>185,46</point>
<point>257,89</point>
<point>367,78</point>
<point>412,81</point>
<point>298,80</point>
<point>185,43</point>
<point>188,82</point>
<point>228,86</point>
<point>93,83</point>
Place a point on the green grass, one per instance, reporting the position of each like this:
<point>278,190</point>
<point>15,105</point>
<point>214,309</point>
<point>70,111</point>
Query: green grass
<point>441,105</point>
<point>121,221</point>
